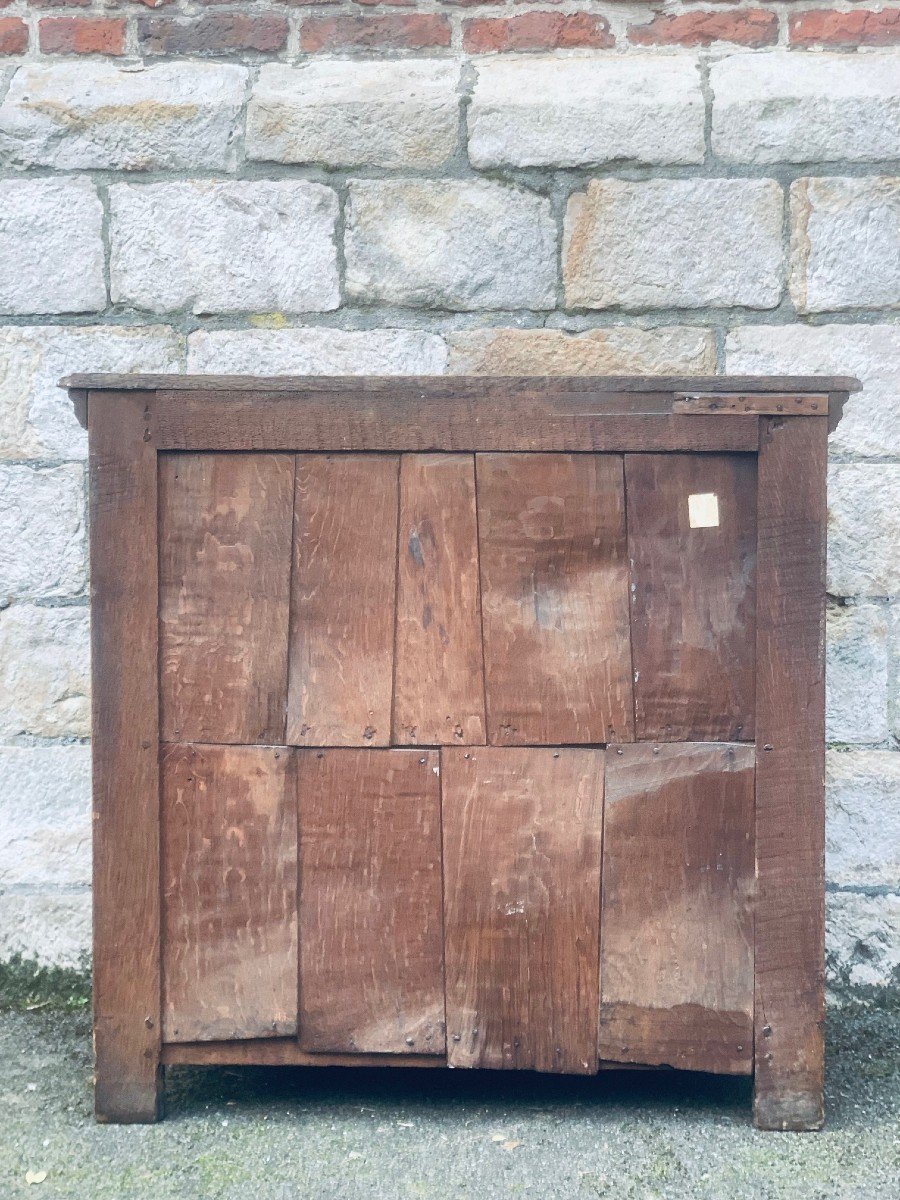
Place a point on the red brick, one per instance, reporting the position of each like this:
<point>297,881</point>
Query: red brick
<point>213,33</point>
<point>537,31</point>
<point>82,35</point>
<point>390,3</point>
<point>59,3</point>
<point>743,26</point>
<point>13,36</point>
<point>862,27</point>
<point>394,31</point>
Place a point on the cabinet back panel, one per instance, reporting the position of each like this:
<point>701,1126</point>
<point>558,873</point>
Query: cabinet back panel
<point>371,959</point>
<point>229,862</point>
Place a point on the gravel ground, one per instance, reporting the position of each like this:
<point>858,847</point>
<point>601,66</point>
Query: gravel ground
<point>280,1134</point>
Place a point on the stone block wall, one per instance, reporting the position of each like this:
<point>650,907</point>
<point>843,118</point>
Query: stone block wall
<point>435,187</point>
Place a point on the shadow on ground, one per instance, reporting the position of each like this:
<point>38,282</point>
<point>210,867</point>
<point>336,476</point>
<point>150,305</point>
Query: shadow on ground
<point>337,1134</point>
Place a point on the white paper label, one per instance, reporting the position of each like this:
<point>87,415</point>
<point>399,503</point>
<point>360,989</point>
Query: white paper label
<point>703,510</point>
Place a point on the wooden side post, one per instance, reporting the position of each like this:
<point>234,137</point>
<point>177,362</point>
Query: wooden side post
<point>125,757</point>
<point>790,789</point>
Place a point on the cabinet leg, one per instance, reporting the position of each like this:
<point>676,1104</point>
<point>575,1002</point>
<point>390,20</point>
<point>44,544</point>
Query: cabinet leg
<point>128,1087</point>
<point>781,1106</point>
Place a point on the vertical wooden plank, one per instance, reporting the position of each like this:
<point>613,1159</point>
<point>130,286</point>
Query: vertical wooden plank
<point>676,957</point>
<point>439,670</point>
<point>224,580</point>
<point>340,673</point>
<point>522,831</point>
<point>125,757</point>
<point>554,582</point>
<point>692,546</point>
<point>790,790</point>
<point>371,962</point>
<point>229,833</point>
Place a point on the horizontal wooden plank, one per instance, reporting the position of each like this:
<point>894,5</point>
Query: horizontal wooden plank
<point>467,383</point>
<point>404,422</point>
<point>281,1052</point>
<point>762,403</point>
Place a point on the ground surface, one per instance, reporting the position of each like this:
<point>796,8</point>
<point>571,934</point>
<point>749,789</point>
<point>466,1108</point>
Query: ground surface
<point>297,1134</point>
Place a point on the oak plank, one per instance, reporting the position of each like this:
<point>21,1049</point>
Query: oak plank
<point>125,707</point>
<point>340,674</point>
<point>522,833</point>
<point>693,604</point>
<point>229,893</point>
<point>371,963</point>
<point>439,670</point>
<point>676,958</point>
<point>790,790</point>
<point>225,525</point>
<point>282,1052</point>
<point>554,579</point>
<point>794,404</point>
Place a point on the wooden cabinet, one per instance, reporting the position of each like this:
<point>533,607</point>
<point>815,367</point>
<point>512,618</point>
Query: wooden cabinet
<point>455,722</point>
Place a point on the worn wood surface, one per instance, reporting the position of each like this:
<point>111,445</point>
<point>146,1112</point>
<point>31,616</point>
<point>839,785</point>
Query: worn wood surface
<point>224,580</point>
<point>282,1052</point>
<point>431,421</point>
<point>693,606</point>
<point>522,830</point>
<point>676,959</point>
<point>229,829</point>
<point>371,971</point>
<point>342,603</point>
<point>125,771</point>
<point>554,577</point>
<point>439,668</point>
<point>790,803</point>
<point>792,404</point>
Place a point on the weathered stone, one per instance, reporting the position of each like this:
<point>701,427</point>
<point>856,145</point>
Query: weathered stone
<point>862,940</point>
<point>787,107</point>
<point>348,112</point>
<point>864,529</point>
<point>619,350</point>
<point>856,676</point>
<point>683,243</point>
<point>894,672</point>
<point>36,417</point>
<point>224,247</point>
<point>51,250</point>
<point>94,114</point>
<point>845,243</point>
<point>45,815</point>
<point>871,421</point>
<point>450,244</point>
<point>550,111</point>
<point>43,549</point>
<point>44,671</point>
<point>316,352</point>
<point>863,826</point>
<point>51,928</point>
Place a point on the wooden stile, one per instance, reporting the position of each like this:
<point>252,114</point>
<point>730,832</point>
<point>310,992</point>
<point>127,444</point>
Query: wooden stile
<point>371,960</point>
<point>342,603</point>
<point>676,936</point>
<point>224,579</point>
<point>522,830</point>
<point>229,938</point>
<point>439,670</point>
<point>554,579</point>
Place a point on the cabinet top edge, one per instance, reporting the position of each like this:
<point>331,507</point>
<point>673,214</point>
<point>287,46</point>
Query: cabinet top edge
<point>464,384</point>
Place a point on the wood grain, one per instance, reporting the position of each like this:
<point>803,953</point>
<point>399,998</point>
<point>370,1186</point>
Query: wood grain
<point>371,967</point>
<point>676,960</point>
<point>125,760</point>
<point>554,578</point>
<point>224,582</point>
<point>342,603</point>
<point>229,893</point>
<point>282,1052</point>
<point>693,607</point>
<point>439,670</point>
<point>522,830</point>
<point>792,405</point>
<point>790,793</point>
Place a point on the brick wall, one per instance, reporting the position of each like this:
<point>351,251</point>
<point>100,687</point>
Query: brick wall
<point>358,188</point>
